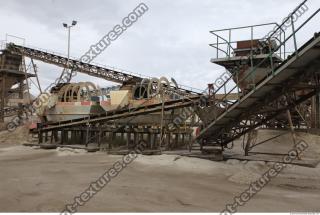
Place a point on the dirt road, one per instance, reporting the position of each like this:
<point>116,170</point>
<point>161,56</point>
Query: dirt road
<point>37,180</point>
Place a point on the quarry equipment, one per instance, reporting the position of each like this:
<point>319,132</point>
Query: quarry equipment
<point>268,81</point>
<point>70,101</point>
<point>12,77</point>
<point>266,86</point>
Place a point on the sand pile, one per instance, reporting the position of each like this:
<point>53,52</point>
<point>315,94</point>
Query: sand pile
<point>244,177</point>
<point>19,136</point>
<point>239,172</point>
<point>282,144</point>
<point>68,151</point>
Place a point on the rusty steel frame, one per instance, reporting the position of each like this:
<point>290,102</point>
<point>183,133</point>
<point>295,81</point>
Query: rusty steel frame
<point>253,117</point>
<point>61,61</point>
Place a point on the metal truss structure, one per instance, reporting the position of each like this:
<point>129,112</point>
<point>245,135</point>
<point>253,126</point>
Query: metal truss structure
<point>288,82</point>
<point>73,64</point>
<point>286,85</point>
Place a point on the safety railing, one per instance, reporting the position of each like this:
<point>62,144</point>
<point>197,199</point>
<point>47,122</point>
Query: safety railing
<point>227,46</point>
<point>3,44</point>
<point>234,78</point>
<point>192,89</point>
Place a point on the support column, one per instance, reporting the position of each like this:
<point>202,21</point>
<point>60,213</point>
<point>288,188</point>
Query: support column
<point>149,139</point>
<point>62,137</point>
<point>99,137</point>
<point>46,136</point>
<point>129,139</point>
<point>168,141</point>
<point>293,135</point>
<point>40,138</point>
<point>135,138</point>
<point>317,111</point>
<point>3,95</point>
<point>87,135</point>
<point>176,141</point>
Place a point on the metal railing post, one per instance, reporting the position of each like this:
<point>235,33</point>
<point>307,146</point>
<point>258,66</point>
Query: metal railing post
<point>217,47</point>
<point>251,53</point>
<point>294,35</point>
<point>238,87</point>
<point>271,60</point>
<point>229,48</point>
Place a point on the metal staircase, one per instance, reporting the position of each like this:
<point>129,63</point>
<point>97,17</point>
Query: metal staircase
<point>285,84</point>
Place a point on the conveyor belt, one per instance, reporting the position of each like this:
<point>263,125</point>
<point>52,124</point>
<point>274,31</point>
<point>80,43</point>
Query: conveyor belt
<point>124,113</point>
<point>302,66</point>
<point>62,61</point>
<point>103,72</point>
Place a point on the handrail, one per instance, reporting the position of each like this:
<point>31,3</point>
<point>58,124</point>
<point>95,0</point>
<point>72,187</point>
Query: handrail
<point>229,42</point>
<point>286,19</point>
<point>269,55</point>
<point>226,41</point>
<point>212,45</point>
<point>243,27</point>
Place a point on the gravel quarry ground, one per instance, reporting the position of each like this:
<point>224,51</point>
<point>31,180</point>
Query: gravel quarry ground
<point>38,180</point>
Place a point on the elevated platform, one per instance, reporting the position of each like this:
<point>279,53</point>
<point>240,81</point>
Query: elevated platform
<point>243,114</point>
<point>11,73</point>
<point>230,62</point>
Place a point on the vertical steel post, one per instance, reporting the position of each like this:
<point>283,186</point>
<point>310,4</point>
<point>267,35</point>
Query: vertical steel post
<point>294,35</point>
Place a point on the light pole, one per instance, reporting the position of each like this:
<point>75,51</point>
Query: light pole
<point>69,27</point>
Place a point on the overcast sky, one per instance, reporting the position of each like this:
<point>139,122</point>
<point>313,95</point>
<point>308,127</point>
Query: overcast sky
<point>171,39</point>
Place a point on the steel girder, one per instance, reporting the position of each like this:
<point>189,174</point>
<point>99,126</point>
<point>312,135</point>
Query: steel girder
<point>284,97</point>
<point>75,65</point>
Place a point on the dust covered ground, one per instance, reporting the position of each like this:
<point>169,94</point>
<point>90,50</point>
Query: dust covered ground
<point>37,180</point>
